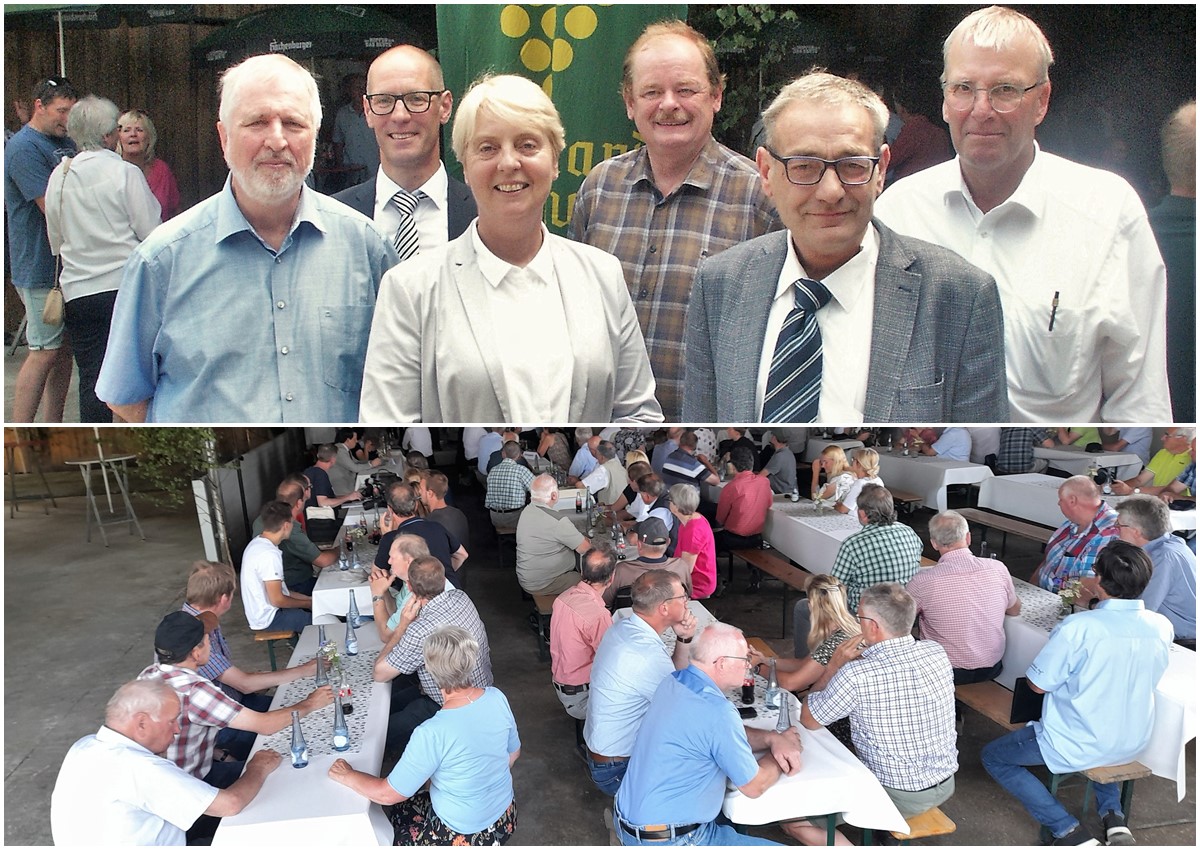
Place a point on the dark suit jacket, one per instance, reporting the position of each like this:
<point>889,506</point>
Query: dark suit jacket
<point>937,347</point>
<point>460,203</point>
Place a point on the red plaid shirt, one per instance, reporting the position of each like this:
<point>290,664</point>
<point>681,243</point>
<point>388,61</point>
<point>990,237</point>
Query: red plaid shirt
<point>205,710</point>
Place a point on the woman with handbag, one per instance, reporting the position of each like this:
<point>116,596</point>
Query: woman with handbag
<point>99,208</point>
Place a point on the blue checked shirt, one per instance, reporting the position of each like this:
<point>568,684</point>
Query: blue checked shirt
<point>507,484</point>
<point>1072,549</point>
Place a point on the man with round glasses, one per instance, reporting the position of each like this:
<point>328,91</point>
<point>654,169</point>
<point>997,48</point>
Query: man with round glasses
<point>414,203</point>
<point>1079,271</point>
<point>838,318</point>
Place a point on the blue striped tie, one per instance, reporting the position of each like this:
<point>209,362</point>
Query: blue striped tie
<point>406,241</point>
<point>794,381</point>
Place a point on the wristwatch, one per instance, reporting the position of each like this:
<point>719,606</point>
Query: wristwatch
<point>1137,491</point>
<point>376,599</point>
<point>679,639</point>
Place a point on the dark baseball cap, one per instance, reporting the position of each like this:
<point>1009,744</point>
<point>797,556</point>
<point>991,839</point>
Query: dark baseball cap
<point>178,634</point>
<point>653,531</point>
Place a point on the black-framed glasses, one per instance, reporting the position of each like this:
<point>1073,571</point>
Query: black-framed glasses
<point>415,102</point>
<point>860,618</point>
<point>810,170</point>
<point>1003,98</point>
<point>672,598</point>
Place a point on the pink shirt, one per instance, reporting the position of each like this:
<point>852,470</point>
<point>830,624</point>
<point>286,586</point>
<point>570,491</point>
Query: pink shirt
<point>696,536</point>
<point>742,508</point>
<point>578,621</point>
<point>961,602</point>
<point>163,187</point>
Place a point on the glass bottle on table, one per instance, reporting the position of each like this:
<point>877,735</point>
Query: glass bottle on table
<point>771,698</point>
<point>299,747</point>
<point>322,670</point>
<point>341,732</point>
<point>351,638</point>
<point>352,615</point>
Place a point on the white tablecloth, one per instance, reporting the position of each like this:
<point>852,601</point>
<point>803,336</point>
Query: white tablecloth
<point>303,807</point>
<point>704,619</point>
<point>928,476</point>
<point>331,596</point>
<point>1175,696</point>
<point>812,541</point>
<point>830,780</point>
<point>1034,497</point>
<point>1074,460</point>
<point>816,445</point>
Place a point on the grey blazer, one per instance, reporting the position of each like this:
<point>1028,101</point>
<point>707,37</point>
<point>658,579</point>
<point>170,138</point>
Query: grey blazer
<point>937,347</point>
<point>435,355</point>
<point>460,203</point>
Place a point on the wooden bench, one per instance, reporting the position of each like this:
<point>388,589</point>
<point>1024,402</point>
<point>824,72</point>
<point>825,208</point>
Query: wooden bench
<point>991,700</point>
<point>271,637</point>
<point>761,646</point>
<point>926,825</point>
<point>544,606</point>
<point>776,567</point>
<point>904,501</point>
<point>927,562</point>
<point>506,537</point>
<point>1125,774</point>
<point>1006,525</point>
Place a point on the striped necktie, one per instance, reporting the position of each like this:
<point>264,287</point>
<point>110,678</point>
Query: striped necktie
<point>794,381</point>
<point>406,240</point>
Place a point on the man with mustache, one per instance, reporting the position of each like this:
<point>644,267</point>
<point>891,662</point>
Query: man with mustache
<point>662,208</point>
<point>255,305</point>
<point>838,319</point>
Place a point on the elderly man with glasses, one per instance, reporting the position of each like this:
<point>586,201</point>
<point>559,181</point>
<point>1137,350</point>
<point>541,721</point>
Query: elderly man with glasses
<point>838,318</point>
<point>1145,522</point>
<point>1168,471</point>
<point>1081,278</point>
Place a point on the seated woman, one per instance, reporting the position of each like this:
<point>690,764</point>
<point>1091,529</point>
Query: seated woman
<point>465,752</point>
<point>507,322</point>
<point>696,545</point>
<point>137,140</point>
<point>838,477</point>
<point>865,466</point>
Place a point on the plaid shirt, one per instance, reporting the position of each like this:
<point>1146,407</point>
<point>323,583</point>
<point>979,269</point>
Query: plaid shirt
<point>218,659</point>
<point>961,603</point>
<point>507,484</point>
<point>1016,448</point>
<point>1188,477</point>
<point>452,608</point>
<point>660,241</point>
<point>1072,549</point>
<point>899,696</point>
<point>877,553</point>
<point>205,711</point>
<point>579,621</point>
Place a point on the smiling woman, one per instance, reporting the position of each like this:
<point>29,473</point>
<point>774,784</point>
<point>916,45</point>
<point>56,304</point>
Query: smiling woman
<point>477,331</point>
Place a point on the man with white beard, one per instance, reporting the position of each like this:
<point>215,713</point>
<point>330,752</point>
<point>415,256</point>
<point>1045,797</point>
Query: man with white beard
<point>256,304</point>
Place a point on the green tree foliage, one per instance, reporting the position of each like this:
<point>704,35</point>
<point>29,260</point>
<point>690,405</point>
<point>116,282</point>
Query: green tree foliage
<point>170,458</point>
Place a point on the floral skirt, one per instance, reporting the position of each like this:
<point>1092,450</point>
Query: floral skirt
<point>416,823</point>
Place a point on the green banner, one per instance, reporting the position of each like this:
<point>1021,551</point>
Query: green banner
<point>574,53</point>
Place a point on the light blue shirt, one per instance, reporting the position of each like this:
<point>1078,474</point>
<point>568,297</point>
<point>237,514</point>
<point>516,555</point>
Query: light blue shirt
<point>1139,440</point>
<point>630,663</point>
<point>1099,670</point>
<point>212,325</point>
<point>1172,588</point>
<point>489,443</point>
<point>660,454</point>
<point>583,463</point>
<point>465,752</point>
<point>677,770</point>
<point>954,444</point>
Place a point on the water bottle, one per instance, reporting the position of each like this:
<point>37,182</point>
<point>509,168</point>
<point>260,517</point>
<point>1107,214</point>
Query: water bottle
<point>351,638</point>
<point>343,564</point>
<point>984,551</point>
<point>341,732</point>
<point>299,747</point>
<point>785,714</point>
<point>1092,470</point>
<point>322,671</point>
<point>353,616</point>
<point>771,697</point>
<point>794,495</point>
<point>321,640</point>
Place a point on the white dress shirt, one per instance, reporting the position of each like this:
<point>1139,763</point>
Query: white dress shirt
<point>1071,229</point>
<point>527,313</point>
<point>846,324</point>
<point>431,213</point>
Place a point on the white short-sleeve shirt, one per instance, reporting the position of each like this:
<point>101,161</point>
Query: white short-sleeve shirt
<point>262,561</point>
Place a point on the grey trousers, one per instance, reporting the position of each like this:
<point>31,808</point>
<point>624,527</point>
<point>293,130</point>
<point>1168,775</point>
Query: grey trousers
<point>801,623</point>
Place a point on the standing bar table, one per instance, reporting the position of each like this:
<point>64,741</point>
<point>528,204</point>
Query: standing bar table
<point>115,465</point>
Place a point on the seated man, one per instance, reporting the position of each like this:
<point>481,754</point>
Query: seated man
<point>387,599</point>
<point>665,448</point>
<point>343,475</point>
<point>266,599</point>
<point>677,771</point>
<point>743,505</point>
<point>431,605</point>
<point>735,437</point>
<point>507,486</point>
<point>657,501</point>
<point>685,466</point>
<point>1145,522</point>
<point>432,493</point>
<point>1133,440</point>
<point>402,518</point>
<point>949,444</point>
<point>899,696</point>
<point>606,482</point>
<point>300,555</point>
<point>630,663</point>
<point>780,469</point>
<point>547,541</point>
<point>323,495</point>
<point>1016,450</point>
<point>652,540</point>
<point>181,645</point>
<point>489,443</point>
<point>115,788</point>
<point>962,601</point>
<point>1166,468</point>
<point>1086,722</point>
<point>508,435</point>
<point>1073,547</point>
<point>884,550</point>
<point>579,621</point>
<point>584,460</point>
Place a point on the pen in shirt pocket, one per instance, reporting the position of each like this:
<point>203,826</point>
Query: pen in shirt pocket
<point>1053,310</point>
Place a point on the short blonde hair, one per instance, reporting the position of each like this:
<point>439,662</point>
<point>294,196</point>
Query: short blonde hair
<point>868,459</point>
<point>451,655</point>
<point>137,116</point>
<point>829,608</point>
<point>840,464</point>
<point>678,29</point>
<point>996,28</point>
<point>510,98</point>
<point>635,456</point>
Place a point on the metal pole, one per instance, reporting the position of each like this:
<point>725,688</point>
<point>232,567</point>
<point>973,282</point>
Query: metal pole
<point>62,70</point>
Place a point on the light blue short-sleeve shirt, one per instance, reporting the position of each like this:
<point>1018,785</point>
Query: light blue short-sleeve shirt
<point>213,325</point>
<point>630,663</point>
<point>1119,642</point>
